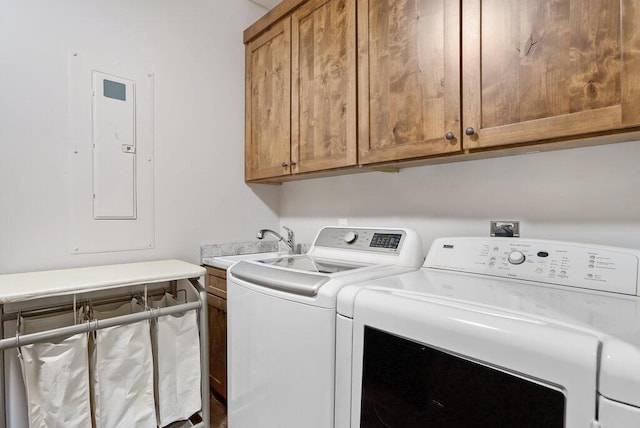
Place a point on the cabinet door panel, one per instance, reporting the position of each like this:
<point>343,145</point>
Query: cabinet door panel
<point>540,69</point>
<point>217,344</point>
<point>409,78</point>
<point>324,89</point>
<point>216,281</point>
<point>630,62</point>
<point>268,103</point>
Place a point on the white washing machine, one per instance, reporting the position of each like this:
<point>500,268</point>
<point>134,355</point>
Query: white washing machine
<point>494,333</point>
<point>281,317</point>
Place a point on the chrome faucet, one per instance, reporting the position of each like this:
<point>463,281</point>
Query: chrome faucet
<point>289,242</point>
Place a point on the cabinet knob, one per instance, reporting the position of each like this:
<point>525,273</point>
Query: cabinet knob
<point>293,164</point>
<point>469,131</point>
<point>449,136</point>
<point>284,164</point>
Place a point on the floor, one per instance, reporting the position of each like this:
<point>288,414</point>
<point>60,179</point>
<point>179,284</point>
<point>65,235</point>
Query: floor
<point>218,413</point>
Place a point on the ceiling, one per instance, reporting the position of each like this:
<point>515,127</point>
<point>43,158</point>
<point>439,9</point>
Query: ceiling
<point>269,4</point>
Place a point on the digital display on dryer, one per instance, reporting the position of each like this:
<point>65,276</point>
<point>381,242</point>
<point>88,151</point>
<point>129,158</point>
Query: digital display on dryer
<point>386,240</point>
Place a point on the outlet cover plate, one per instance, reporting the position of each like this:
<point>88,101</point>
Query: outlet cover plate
<point>513,224</point>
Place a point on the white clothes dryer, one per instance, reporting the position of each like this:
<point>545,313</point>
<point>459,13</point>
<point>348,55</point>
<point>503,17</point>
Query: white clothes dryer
<point>281,323</point>
<point>494,332</point>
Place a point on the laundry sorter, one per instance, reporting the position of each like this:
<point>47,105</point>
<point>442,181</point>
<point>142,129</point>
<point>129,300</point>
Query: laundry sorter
<point>105,346</point>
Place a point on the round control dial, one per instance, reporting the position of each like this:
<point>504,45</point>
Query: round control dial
<point>516,257</point>
<point>350,237</point>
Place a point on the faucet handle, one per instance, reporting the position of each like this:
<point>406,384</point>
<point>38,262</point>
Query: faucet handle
<point>289,232</point>
<point>291,242</point>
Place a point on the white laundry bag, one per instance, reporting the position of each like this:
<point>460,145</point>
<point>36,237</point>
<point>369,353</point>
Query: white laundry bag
<point>176,346</point>
<point>122,371</point>
<point>56,376</point>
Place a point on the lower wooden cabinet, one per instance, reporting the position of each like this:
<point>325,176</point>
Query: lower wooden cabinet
<point>218,345</point>
<point>217,306</point>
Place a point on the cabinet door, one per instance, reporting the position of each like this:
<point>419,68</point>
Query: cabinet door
<point>216,281</point>
<point>324,85</point>
<point>217,344</point>
<point>268,103</point>
<point>539,69</point>
<point>408,78</point>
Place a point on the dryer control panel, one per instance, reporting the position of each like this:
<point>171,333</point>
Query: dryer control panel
<point>562,263</point>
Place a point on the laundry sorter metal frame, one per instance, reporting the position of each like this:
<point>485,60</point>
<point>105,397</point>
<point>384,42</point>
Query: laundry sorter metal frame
<point>107,290</point>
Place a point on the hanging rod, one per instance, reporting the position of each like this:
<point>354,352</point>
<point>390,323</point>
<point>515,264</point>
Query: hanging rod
<point>93,325</point>
<point>50,310</point>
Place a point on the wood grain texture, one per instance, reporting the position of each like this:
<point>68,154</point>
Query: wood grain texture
<point>583,122</point>
<point>216,286</point>
<point>538,69</point>
<point>268,103</point>
<point>630,62</point>
<point>408,78</point>
<point>218,412</point>
<point>281,10</point>
<point>324,85</point>
<point>217,272</point>
<point>546,145</point>
<point>217,309</point>
<point>548,58</point>
<point>534,71</point>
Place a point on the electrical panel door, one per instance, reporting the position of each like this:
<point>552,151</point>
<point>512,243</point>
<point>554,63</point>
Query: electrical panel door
<point>114,147</point>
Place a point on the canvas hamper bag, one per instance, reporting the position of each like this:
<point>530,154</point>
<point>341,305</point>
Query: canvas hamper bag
<point>56,375</point>
<point>176,346</point>
<point>122,371</point>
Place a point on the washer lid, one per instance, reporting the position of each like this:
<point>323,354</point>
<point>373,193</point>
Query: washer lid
<point>311,264</point>
<point>290,281</point>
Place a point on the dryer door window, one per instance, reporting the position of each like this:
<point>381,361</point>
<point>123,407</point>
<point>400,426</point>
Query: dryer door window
<point>408,384</point>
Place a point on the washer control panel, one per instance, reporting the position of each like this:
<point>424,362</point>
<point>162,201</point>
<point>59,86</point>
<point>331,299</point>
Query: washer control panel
<point>553,262</point>
<point>377,240</point>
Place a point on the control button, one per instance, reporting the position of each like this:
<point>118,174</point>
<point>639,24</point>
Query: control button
<point>590,266</point>
<point>592,257</point>
<point>492,259</point>
<point>495,248</point>
<point>563,272</point>
<point>516,257</point>
<point>539,270</point>
<point>552,271</point>
<point>350,237</point>
<point>590,276</point>
<point>543,254</point>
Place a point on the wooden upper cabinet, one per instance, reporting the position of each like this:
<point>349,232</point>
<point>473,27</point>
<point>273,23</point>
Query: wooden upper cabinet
<point>323,94</point>
<point>268,103</point>
<point>539,69</point>
<point>408,78</point>
<point>338,83</point>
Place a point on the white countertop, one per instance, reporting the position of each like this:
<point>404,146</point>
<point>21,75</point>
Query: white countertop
<point>23,286</point>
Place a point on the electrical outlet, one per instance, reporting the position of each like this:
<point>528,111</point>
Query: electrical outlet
<point>505,228</point>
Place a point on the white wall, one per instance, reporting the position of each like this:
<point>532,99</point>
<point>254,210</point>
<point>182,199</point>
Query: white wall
<point>584,195</point>
<point>195,50</point>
